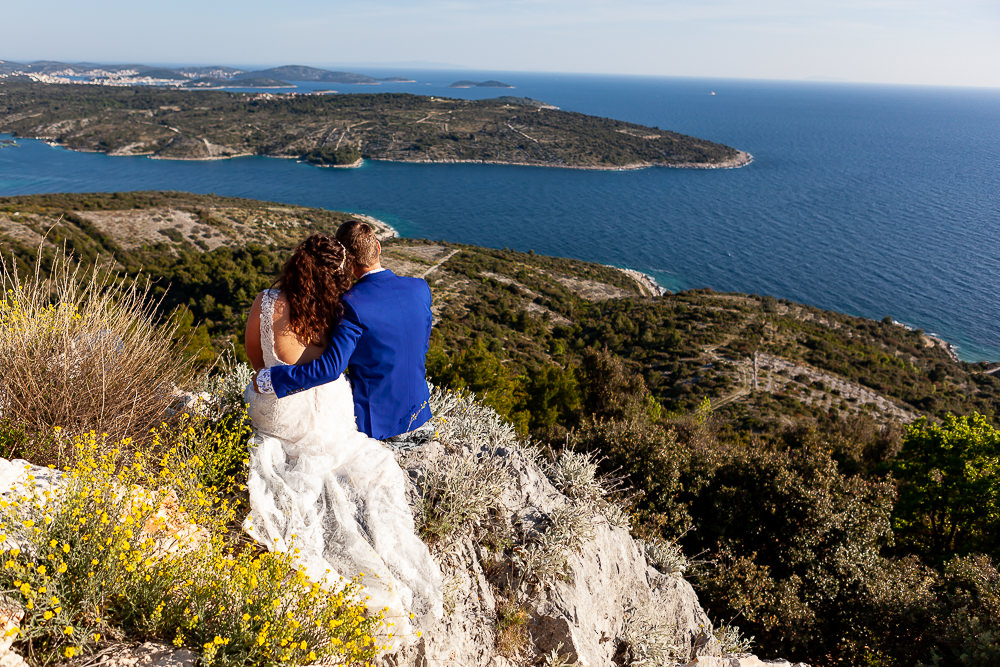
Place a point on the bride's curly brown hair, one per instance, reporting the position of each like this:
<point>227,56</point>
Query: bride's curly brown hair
<point>315,276</point>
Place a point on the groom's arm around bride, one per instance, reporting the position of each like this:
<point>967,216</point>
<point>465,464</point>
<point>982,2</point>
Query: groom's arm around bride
<point>382,338</point>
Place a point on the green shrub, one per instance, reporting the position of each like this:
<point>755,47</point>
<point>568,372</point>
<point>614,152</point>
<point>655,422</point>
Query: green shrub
<point>949,487</point>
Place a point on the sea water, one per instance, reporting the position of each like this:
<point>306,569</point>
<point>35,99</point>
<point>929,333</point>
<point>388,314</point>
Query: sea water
<point>871,200</point>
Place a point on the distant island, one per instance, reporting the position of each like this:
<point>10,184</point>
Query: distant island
<point>480,84</point>
<point>211,76</point>
<point>340,130</point>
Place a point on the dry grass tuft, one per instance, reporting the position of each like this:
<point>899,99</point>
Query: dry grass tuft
<point>81,351</point>
<point>512,628</point>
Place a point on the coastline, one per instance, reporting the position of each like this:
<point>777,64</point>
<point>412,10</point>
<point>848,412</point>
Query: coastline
<point>934,340</point>
<point>354,165</point>
<point>383,230</point>
<point>646,282</point>
<point>741,160</point>
<point>207,158</point>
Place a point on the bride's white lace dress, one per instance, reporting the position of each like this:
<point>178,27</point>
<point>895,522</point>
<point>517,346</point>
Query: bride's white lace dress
<point>319,485</point>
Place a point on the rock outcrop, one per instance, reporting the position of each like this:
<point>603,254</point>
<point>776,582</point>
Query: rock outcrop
<point>548,575</point>
<point>589,613</point>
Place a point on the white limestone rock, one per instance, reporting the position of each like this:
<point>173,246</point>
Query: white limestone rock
<point>740,660</point>
<point>583,617</point>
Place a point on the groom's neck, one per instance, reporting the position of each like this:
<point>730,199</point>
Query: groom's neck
<point>362,270</point>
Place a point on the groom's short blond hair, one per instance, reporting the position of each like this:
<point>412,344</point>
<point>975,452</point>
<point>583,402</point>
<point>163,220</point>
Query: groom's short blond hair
<point>359,239</point>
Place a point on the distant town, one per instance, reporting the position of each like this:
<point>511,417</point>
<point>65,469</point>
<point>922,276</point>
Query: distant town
<point>213,76</point>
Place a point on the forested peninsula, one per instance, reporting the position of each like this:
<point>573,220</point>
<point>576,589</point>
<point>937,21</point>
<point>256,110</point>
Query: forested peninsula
<point>341,130</point>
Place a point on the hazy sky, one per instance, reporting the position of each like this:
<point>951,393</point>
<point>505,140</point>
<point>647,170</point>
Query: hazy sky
<point>901,41</point>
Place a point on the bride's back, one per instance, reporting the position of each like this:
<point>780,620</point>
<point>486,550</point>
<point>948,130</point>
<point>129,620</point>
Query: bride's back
<point>312,280</point>
<point>289,347</point>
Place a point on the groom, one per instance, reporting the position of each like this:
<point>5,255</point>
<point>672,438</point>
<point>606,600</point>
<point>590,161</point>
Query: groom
<point>382,338</point>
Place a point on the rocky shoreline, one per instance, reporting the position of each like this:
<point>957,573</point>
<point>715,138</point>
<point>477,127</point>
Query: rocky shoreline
<point>741,160</point>
<point>646,282</point>
<point>383,230</point>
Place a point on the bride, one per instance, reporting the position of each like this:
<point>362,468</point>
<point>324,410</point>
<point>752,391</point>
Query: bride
<point>317,485</point>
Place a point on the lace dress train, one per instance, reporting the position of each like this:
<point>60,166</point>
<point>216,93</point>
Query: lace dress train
<point>319,485</point>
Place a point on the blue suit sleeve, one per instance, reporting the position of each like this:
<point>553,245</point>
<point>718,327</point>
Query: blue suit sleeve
<point>430,321</point>
<point>328,367</point>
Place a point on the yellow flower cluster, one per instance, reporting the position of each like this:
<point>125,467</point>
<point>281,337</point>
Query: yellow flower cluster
<point>18,314</point>
<point>137,543</point>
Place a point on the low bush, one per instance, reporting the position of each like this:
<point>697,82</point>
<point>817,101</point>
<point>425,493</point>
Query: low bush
<point>83,353</point>
<point>543,555</point>
<point>577,474</point>
<point>949,487</point>
<point>461,492</point>
<point>649,640</point>
<point>667,556</point>
<point>732,640</point>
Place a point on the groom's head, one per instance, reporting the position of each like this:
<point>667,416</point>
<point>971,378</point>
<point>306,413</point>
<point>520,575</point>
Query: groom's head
<point>359,239</point>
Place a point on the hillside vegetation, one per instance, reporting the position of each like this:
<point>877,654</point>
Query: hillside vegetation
<point>339,129</point>
<point>777,440</point>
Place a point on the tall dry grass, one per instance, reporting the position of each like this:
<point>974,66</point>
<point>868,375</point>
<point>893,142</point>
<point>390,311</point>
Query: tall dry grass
<point>83,350</point>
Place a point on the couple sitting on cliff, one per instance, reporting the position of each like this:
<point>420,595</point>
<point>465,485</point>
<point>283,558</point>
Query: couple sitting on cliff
<point>323,478</point>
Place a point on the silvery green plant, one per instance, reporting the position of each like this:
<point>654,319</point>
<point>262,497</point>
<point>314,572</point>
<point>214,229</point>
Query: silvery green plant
<point>225,390</point>
<point>666,555</point>
<point>461,492</point>
<point>576,474</point>
<point>545,554</point>
<point>732,640</point>
<point>459,420</point>
<point>649,640</point>
<point>555,659</point>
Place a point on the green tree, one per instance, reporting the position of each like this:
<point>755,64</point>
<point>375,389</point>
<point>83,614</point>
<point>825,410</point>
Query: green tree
<point>949,487</point>
<point>482,372</point>
<point>553,400</point>
<point>610,388</point>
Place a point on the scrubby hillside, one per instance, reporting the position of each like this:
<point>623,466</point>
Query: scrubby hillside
<point>758,359</point>
<point>775,440</point>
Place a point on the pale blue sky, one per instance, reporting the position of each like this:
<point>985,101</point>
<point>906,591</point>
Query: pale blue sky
<point>955,42</point>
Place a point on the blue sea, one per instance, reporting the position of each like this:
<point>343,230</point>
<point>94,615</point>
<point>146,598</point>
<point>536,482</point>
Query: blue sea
<point>870,200</point>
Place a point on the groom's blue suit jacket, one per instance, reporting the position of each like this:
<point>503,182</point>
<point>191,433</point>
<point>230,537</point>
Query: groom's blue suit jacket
<point>382,338</point>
